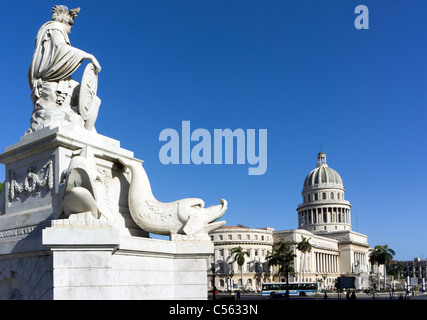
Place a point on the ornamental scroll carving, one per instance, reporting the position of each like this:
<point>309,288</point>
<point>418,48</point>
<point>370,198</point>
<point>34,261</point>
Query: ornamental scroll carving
<point>33,181</point>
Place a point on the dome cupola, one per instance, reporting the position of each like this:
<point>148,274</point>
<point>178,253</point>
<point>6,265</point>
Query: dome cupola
<point>322,176</point>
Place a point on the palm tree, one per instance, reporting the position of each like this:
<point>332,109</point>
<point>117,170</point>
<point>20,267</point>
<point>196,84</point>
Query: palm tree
<point>374,260</point>
<point>400,266</point>
<point>282,251</point>
<point>395,268</point>
<point>381,255</point>
<point>284,245</point>
<point>304,246</point>
<point>239,257</point>
<point>273,259</point>
<point>289,255</point>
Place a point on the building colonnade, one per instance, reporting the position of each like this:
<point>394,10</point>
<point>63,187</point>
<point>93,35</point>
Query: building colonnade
<point>326,263</point>
<point>359,261</point>
<point>324,215</point>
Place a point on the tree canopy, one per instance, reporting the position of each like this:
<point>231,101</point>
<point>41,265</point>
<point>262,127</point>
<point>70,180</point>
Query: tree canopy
<point>381,255</point>
<point>239,255</point>
<point>281,252</point>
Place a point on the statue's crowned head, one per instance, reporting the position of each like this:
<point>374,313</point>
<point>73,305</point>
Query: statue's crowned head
<point>63,14</point>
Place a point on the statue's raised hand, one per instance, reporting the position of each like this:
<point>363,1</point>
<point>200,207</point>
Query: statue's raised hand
<point>94,61</point>
<point>96,64</point>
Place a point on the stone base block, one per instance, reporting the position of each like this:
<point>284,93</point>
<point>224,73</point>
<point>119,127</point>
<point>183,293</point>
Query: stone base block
<point>100,263</point>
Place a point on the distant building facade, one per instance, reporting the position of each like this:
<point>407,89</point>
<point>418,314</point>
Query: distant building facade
<point>416,268</point>
<point>324,217</point>
<point>257,242</point>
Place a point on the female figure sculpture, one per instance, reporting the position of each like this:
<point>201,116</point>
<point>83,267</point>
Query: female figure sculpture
<point>54,93</point>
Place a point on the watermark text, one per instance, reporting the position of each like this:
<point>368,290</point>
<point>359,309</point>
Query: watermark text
<point>229,147</point>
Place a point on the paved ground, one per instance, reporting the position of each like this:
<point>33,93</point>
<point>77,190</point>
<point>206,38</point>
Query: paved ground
<point>331,296</point>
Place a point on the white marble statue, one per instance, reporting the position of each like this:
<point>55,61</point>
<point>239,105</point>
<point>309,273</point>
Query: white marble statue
<point>61,101</point>
<point>54,93</point>
<point>186,218</point>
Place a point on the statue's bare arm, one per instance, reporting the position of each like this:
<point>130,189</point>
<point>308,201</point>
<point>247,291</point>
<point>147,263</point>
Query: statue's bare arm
<point>92,58</point>
<point>57,37</point>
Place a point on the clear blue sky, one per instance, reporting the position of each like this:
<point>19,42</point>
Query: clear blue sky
<point>299,69</point>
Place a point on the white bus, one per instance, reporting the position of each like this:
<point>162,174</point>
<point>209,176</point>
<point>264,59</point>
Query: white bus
<point>295,288</point>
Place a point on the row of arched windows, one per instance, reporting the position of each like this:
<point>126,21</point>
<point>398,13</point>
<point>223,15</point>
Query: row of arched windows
<point>324,196</point>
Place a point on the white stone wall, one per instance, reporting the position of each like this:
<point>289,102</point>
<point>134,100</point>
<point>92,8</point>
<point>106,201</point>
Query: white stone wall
<point>106,265</point>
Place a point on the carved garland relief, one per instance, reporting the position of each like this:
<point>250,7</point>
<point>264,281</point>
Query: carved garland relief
<point>32,181</point>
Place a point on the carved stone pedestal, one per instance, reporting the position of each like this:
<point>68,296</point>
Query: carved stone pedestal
<point>35,171</point>
<point>45,254</point>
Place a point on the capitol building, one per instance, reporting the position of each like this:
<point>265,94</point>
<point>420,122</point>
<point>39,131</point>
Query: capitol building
<point>324,219</point>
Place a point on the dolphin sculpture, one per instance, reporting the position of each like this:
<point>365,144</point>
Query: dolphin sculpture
<point>84,191</point>
<point>185,217</point>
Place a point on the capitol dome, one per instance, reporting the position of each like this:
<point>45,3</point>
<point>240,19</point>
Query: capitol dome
<point>322,176</point>
<point>324,208</point>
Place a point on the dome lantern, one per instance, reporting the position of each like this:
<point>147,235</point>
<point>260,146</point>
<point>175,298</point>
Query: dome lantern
<point>321,159</point>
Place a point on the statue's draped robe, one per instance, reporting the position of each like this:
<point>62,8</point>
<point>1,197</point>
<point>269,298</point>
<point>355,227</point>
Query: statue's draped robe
<point>53,92</point>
